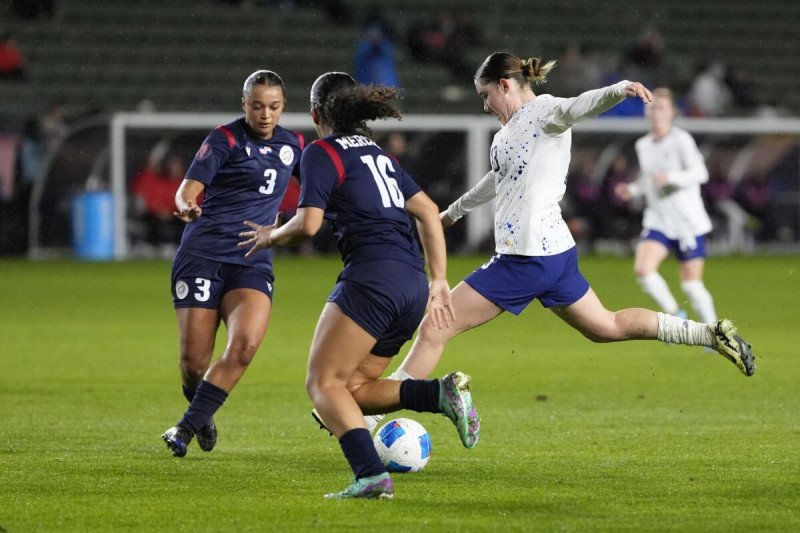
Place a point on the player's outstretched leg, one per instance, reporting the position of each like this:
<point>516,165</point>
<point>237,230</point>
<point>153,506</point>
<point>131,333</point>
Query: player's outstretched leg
<point>378,486</point>
<point>177,439</point>
<point>207,436</point>
<point>732,346</point>
<point>455,402</point>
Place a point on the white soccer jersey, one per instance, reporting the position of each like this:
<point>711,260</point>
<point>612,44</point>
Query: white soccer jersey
<point>677,209</point>
<point>530,159</point>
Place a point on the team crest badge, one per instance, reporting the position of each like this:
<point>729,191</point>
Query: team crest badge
<point>203,152</point>
<point>286,155</point>
<point>181,290</point>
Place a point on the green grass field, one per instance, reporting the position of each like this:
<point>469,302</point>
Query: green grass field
<point>576,436</point>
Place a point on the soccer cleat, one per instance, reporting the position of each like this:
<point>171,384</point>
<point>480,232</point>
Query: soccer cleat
<point>732,346</point>
<point>379,486</point>
<point>207,437</point>
<point>455,402</point>
<point>318,420</point>
<point>177,439</point>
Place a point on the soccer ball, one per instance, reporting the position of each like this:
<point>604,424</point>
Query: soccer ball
<point>403,445</point>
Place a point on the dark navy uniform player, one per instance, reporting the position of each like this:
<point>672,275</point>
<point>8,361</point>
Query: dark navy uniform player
<point>382,293</point>
<point>243,168</point>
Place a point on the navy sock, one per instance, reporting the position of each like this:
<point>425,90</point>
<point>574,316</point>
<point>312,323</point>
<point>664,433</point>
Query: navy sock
<point>188,393</point>
<point>360,453</point>
<point>207,400</point>
<point>420,395</point>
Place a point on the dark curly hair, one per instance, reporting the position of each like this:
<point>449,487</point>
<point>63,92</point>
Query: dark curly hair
<point>347,106</point>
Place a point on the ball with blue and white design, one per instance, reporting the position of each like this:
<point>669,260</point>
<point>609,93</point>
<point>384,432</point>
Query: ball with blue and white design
<point>403,445</point>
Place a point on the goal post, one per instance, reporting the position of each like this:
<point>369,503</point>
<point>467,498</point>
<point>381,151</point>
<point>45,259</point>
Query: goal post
<point>478,130</point>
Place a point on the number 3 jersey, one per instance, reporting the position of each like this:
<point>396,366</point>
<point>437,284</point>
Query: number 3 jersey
<point>363,191</point>
<point>245,179</point>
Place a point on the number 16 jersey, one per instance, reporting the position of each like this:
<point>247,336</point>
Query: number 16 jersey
<point>363,191</point>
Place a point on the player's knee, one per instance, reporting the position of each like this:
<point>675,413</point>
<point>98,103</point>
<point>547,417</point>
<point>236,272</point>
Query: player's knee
<point>193,368</point>
<point>242,351</point>
<point>428,333</point>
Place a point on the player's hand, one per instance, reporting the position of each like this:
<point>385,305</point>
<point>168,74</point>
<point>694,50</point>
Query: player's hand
<point>259,237</point>
<point>660,179</point>
<point>190,213</point>
<point>440,307</point>
<point>637,90</point>
<point>623,191</point>
<point>446,220</point>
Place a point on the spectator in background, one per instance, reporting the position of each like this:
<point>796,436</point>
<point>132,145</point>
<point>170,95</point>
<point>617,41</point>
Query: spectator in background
<point>575,73</point>
<point>374,61</point>
<point>708,95</point>
<point>154,189</point>
<point>446,39</point>
<point>583,195</point>
<point>41,137</point>
<point>645,60</point>
<point>621,219</point>
<point>742,89</point>
<point>754,194</point>
<point>12,63</point>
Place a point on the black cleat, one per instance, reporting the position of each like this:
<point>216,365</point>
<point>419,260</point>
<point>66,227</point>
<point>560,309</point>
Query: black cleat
<point>318,420</point>
<point>177,439</point>
<point>207,436</point>
<point>733,347</point>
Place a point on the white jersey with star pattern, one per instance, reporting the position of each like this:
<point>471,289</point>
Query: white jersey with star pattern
<point>530,158</point>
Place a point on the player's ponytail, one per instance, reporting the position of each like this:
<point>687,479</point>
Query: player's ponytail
<point>534,71</point>
<point>505,65</point>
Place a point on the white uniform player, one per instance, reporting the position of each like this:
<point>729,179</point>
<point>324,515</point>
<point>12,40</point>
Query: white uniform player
<point>530,158</point>
<point>536,255</point>
<point>675,219</point>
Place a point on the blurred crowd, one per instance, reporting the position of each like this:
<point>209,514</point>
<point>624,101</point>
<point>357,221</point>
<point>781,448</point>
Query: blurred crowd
<point>746,204</point>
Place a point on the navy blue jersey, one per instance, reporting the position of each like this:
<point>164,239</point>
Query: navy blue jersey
<point>245,179</point>
<point>363,192</point>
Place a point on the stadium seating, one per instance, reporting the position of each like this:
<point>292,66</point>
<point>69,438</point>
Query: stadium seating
<point>99,55</point>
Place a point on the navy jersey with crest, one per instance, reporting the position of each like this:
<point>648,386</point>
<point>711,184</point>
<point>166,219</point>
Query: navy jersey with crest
<point>363,191</point>
<point>245,179</point>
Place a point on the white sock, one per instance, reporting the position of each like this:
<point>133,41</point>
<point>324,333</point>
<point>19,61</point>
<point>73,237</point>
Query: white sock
<point>655,286</point>
<point>373,420</point>
<point>701,300</point>
<point>674,330</point>
<point>400,375</point>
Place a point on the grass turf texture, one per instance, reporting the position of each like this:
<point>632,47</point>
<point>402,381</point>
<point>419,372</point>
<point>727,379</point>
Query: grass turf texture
<point>576,436</point>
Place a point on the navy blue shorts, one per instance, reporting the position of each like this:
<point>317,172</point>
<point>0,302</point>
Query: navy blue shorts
<point>674,245</point>
<point>511,282</point>
<point>200,282</point>
<point>386,298</point>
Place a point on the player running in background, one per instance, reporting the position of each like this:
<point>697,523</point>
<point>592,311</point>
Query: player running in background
<point>243,168</point>
<point>536,254</point>
<point>675,219</point>
<point>382,292</point>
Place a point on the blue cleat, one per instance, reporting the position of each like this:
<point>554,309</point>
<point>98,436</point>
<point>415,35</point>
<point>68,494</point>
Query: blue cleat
<point>177,439</point>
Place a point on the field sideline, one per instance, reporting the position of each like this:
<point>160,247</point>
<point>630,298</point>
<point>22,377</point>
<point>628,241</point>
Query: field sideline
<point>576,436</point>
